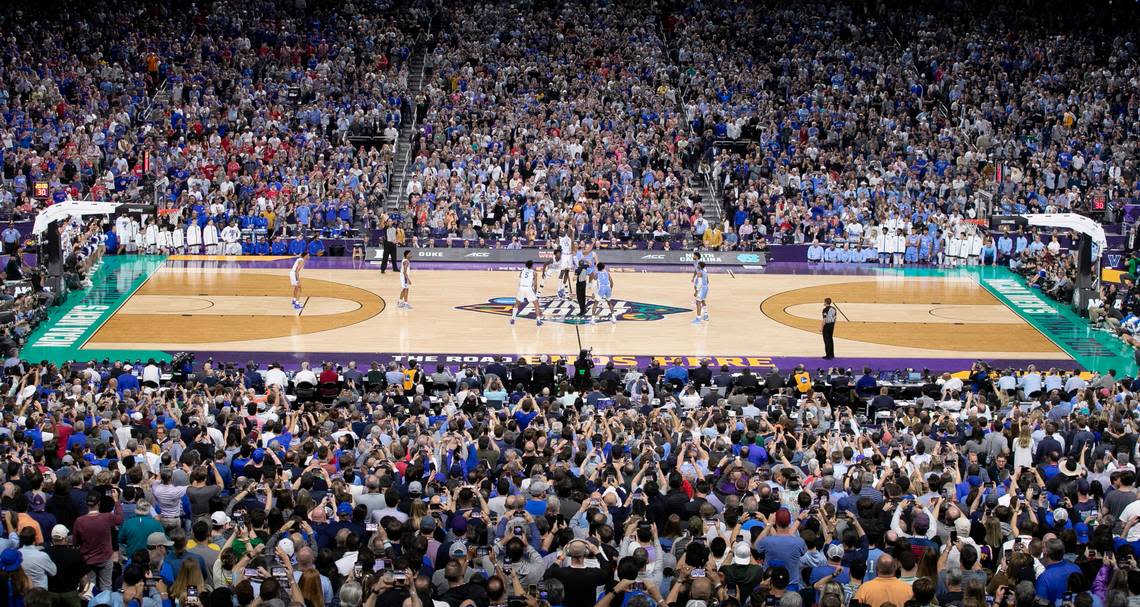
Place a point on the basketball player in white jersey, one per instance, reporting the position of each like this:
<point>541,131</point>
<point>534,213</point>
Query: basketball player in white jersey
<point>549,269</point>
<point>295,279</point>
<point>566,245</point>
<point>702,293</point>
<point>405,280</point>
<point>528,284</point>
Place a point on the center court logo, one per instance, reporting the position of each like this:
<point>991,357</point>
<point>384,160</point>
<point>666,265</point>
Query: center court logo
<point>566,310</point>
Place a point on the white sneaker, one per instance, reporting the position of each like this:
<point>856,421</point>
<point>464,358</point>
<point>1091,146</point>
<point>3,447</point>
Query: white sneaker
<point>696,321</point>
<point>613,319</point>
<point>408,306</point>
<point>706,318</point>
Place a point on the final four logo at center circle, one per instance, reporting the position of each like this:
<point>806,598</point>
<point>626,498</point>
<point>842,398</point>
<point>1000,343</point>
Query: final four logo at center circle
<point>565,311</point>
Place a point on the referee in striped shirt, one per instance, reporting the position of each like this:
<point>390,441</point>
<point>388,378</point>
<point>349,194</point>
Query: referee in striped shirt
<point>827,328</point>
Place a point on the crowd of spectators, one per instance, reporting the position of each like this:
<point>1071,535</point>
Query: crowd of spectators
<point>542,484</point>
<point>220,111</point>
<point>820,120</point>
<point>552,117</point>
<point>537,484</point>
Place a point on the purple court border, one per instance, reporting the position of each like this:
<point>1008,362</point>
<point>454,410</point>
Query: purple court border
<point>293,360</point>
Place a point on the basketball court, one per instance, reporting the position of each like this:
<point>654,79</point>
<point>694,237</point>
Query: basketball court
<point>239,309</point>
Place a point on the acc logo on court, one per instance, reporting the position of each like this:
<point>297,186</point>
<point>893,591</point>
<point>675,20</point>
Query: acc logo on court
<point>566,310</point>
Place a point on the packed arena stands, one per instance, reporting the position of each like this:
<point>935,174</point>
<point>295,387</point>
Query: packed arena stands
<point>870,132</point>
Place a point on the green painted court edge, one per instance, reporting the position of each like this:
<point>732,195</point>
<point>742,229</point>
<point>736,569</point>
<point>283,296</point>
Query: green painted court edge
<point>68,326</point>
<point>1094,350</point>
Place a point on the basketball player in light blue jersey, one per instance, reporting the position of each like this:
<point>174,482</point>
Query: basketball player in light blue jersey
<point>605,288</point>
<point>701,282</point>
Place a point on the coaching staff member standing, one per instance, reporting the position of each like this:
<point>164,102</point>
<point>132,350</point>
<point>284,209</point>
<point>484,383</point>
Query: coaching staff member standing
<point>389,247</point>
<point>827,328</point>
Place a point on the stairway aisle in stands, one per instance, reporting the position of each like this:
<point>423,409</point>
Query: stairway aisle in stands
<point>404,153</point>
<point>711,201</point>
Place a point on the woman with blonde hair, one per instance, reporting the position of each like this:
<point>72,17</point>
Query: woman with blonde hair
<point>418,510</point>
<point>189,574</point>
<point>1023,448</point>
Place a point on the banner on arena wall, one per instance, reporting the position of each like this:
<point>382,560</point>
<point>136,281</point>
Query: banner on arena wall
<point>610,256</point>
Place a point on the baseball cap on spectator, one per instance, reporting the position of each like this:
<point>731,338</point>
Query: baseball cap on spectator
<point>459,525</point>
<point>59,532</point>
<point>286,546</point>
<point>344,509</point>
<point>1083,486</point>
<point>258,455</point>
<point>1060,515</point>
<point>219,519</point>
<point>427,523</point>
<point>962,526</point>
<point>458,550</point>
<point>26,393</point>
<point>158,538</point>
<point>537,489</point>
<point>834,552</point>
<point>1082,532</point>
<point>921,523</point>
<point>415,488</point>
<point>10,560</point>
<point>779,577</point>
<point>37,502</point>
<point>741,554</point>
<point>93,499</point>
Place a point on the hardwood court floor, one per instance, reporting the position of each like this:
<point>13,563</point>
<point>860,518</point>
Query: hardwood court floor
<point>247,309</point>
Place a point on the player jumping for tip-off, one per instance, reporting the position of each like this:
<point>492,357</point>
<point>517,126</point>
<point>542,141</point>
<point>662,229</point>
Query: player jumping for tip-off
<point>566,263</point>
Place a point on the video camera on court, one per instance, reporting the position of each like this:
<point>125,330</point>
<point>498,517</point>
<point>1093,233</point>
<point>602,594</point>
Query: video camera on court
<point>182,367</point>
